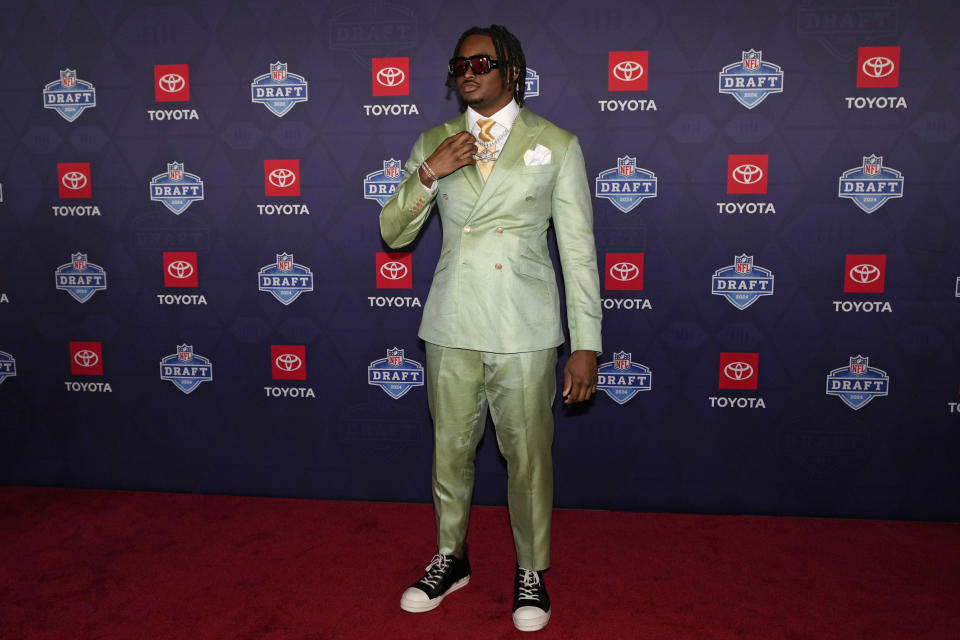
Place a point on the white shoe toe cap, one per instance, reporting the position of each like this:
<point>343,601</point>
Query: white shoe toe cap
<point>530,618</point>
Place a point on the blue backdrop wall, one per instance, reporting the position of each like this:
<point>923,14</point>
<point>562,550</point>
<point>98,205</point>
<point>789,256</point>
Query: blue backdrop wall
<point>194,296</point>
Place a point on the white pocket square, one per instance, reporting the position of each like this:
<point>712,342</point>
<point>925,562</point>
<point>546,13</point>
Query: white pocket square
<point>537,156</point>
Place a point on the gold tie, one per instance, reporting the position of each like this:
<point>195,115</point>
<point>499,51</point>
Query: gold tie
<point>485,136</point>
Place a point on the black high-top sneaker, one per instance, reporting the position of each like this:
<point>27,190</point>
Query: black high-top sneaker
<point>531,604</point>
<point>444,575</point>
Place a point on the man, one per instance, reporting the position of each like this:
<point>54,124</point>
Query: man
<point>491,322</point>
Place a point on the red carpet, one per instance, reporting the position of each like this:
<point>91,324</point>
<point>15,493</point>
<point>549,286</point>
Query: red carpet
<point>120,565</point>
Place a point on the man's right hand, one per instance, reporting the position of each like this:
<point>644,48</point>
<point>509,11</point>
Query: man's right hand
<point>454,152</point>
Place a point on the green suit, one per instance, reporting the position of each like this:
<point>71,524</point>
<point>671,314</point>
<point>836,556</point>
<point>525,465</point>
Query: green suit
<point>492,318</point>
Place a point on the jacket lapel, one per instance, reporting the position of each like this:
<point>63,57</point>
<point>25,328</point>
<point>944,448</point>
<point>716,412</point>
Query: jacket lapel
<point>525,130</point>
<point>469,172</point>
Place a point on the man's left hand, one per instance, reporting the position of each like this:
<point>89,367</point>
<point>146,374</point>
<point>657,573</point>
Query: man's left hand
<point>580,377</point>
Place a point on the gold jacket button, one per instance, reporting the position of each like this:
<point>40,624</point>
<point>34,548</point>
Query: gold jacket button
<point>498,266</point>
<point>499,229</point>
<point>466,229</point>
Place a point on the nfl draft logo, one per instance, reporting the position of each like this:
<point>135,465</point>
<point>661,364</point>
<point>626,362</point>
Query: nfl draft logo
<point>621,379</point>
<point>858,383</point>
<point>176,189</point>
<point>8,366</point>
<point>395,374</point>
<point>878,67</point>
<point>380,185</point>
<point>751,80</point>
<point>531,84</point>
<point>742,283</point>
<point>285,280</point>
<point>69,96</point>
<point>185,369</point>
<point>626,185</point>
<point>79,278</point>
<point>279,90</point>
<point>281,177</point>
<point>872,184</point>
<point>957,292</point>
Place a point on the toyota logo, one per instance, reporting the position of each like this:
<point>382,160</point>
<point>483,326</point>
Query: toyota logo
<point>282,178</point>
<point>74,180</point>
<point>393,270</point>
<point>180,269</point>
<point>628,70</point>
<point>878,67</point>
<point>86,358</point>
<point>624,271</point>
<point>171,82</point>
<point>748,174</point>
<point>738,371</point>
<point>390,76</point>
<point>865,273</point>
<point>288,362</point>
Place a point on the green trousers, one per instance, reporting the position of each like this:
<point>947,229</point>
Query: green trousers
<point>519,390</point>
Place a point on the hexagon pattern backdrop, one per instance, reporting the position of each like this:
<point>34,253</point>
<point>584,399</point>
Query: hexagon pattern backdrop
<point>194,295</point>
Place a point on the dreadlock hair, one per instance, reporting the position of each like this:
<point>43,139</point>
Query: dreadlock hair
<point>508,48</point>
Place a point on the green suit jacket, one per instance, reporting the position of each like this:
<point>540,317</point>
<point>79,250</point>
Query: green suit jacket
<point>494,287</point>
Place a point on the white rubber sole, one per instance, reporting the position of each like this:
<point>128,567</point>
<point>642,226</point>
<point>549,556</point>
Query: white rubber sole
<point>414,605</point>
<point>534,624</point>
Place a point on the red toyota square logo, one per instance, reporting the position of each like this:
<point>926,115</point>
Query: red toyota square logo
<point>288,361</point>
<point>865,273</point>
<point>180,269</point>
<point>281,177</point>
<point>391,76</point>
<point>878,67</point>
<point>394,270</point>
<point>747,173</point>
<point>171,82</point>
<point>739,370</point>
<point>73,180</point>
<point>628,70</point>
<point>86,359</point>
<point>624,271</point>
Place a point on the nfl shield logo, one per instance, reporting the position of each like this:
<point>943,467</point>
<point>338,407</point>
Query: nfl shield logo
<point>871,165</point>
<point>626,166</point>
<point>751,60</point>
<point>621,360</point>
<point>68,78</point>
<point>79,261</point>
<point>395,357</point>
<point>278,70</point>
<point>391,168</point>
<point>744,264</point>
<point>185,352</point>
<point>858,365</point>
<point>285,261</point>
<point>175,171</point>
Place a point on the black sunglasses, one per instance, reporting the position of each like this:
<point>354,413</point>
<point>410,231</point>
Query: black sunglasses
<point>479,64</point>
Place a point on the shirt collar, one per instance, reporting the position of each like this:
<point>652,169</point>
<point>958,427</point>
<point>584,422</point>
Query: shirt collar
<point>505,117</point>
